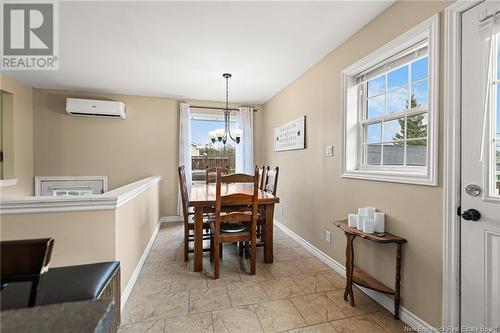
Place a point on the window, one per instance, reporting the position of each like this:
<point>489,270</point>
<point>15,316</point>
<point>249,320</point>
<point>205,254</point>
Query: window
<point>70,185</point>
<point>205,153</point>
<point>390,110</point>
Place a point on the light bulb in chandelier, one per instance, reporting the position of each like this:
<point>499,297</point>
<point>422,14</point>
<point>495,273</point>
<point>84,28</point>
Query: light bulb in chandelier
<point>212,136</point>
<point>219,133</point>
<point>238,134</point>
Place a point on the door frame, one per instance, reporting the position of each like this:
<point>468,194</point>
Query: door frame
<point>452,172</point>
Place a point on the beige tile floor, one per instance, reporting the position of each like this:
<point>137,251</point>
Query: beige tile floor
<point>297,293</point>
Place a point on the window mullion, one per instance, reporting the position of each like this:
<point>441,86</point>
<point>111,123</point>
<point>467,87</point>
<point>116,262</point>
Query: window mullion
<point>396,115</point>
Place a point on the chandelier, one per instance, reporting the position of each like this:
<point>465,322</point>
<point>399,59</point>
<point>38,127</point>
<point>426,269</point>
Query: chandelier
<point>223,134</point>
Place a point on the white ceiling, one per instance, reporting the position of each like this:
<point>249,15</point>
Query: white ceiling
<point>181,49</point>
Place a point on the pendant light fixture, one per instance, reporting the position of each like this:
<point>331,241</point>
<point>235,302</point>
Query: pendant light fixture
<point>223,134</point>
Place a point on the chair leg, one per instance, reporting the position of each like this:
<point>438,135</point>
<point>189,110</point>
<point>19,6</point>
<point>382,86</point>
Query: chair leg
<point>253,257</point>
<point>216,260</point>
<point>220,250</point>
<point>186,244</point>
<point>240,249</point>
<point>211,248</point>
<point>247,252</point>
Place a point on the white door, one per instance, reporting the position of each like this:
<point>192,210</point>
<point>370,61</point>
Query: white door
<point>480,183</point>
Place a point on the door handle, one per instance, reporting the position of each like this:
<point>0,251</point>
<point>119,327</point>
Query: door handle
<point>471,215</point>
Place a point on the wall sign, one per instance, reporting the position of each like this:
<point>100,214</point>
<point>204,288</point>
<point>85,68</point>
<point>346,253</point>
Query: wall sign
<point>291,135</point>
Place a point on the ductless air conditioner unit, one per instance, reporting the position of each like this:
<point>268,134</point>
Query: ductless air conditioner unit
<point>95,108</point>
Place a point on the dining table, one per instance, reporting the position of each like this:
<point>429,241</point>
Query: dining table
<point>202,200</point>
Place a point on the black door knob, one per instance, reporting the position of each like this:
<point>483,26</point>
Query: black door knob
<point>471,215</point>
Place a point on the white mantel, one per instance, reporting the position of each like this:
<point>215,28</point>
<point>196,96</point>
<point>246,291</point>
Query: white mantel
<point>106,201</point>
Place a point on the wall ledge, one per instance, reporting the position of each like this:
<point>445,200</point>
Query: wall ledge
<point>107,201</point>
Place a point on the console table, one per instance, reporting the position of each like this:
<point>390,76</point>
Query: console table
<point>357,276</point>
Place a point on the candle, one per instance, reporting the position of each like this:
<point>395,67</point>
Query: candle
<point>379,223</point>
<point>368,226</point>
<point>361,211</point>
<point>353,220</point>
<point>370,211</point>
<point>361,219</point>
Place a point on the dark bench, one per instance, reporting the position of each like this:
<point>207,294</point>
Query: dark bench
<point>70,284</point>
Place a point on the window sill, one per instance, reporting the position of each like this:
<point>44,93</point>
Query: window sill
<point>8,182</point>
<point>392,177</point>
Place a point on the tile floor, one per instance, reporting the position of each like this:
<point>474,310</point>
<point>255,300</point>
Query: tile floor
<point>297,293</point>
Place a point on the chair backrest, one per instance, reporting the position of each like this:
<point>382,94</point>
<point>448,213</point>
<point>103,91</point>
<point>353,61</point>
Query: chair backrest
<point>262,176</point>
<point>245,202</point>
<point>25,261</point>
<point>184,192</point>
<point>271,184</point>
<point>211,173</point>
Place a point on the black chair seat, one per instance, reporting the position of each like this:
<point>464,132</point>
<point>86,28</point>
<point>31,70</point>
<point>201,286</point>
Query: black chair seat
<point>63,284</point>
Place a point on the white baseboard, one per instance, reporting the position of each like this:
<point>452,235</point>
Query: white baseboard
<point>170,219</point>
<point>405,315</point>
<point>137,271</point>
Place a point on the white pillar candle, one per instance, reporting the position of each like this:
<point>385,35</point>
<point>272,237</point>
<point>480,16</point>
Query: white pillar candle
<point>379,222</point>
<point>361,211</point>
<point>368,226</point>
<point>361,219</point>
<point>352,220</point>
<point>370,211</point>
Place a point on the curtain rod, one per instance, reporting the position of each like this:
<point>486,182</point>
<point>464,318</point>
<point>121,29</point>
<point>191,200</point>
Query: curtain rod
<point>214,108</point>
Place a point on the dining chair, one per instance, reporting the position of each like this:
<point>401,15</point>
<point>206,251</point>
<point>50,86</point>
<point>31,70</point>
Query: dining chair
<point>25,261</point>
<point>270,186</point>
<point>271,183</point>
<point>235,217</point>
<point>262,176</point>
<point>211,173</point>
<point>188,216</point>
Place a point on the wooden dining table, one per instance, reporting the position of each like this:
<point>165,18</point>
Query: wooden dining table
<point>202,199</point>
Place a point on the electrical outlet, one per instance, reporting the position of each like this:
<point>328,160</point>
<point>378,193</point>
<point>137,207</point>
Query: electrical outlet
<point>328,236</point>
<point>282,211</point>
<point>329,151</point>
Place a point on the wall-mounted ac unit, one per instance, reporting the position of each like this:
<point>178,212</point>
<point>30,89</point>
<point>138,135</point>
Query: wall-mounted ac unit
<point>95,108</point>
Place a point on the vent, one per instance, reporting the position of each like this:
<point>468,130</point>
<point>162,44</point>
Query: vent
<point>95,108</point>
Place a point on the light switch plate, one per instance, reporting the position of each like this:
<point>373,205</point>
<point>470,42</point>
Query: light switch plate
<point>328,236</point>
<point>329,151</point>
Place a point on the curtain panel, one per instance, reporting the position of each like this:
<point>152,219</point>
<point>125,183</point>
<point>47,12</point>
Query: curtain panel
<point>244,150</point>
<point>184,147</point>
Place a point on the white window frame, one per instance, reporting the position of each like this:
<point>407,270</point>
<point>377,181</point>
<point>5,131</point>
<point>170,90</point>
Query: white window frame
<point>351,130</point>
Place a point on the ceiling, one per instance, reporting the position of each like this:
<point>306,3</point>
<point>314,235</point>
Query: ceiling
<point>181,49</point>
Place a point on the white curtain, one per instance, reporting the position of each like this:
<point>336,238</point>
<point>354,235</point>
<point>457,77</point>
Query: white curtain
<point>184,147</point>
<point>244,150</point>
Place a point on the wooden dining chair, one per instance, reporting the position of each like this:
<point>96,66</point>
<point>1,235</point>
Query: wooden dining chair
<point>188,216</point>
<point>270,186</point>
<point>271,183</point>
<point>235,217</point>
<point>25,261</point>
<point>211,173</point>
<point>262,176</point>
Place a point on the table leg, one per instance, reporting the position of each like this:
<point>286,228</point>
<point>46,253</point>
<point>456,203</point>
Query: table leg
<point>398,282</point>
<point>198,239</point>
<point>349,267</point>
<point>268,234</point>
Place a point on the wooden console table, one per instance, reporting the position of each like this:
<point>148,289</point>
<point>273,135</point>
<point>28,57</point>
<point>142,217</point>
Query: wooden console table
<point>357,276</point>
